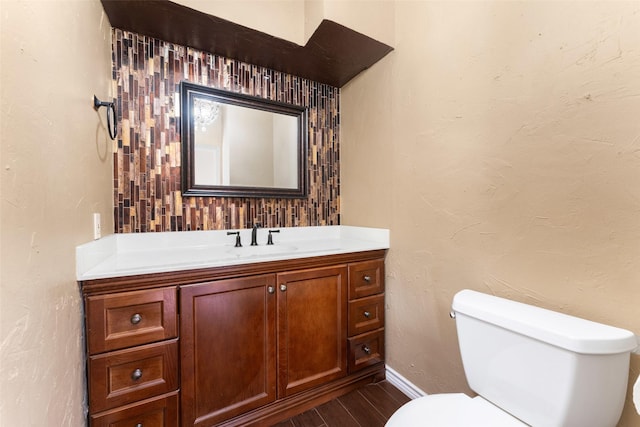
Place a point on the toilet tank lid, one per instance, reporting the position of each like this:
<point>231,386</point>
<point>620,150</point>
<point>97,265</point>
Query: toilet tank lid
<point>562,330</point>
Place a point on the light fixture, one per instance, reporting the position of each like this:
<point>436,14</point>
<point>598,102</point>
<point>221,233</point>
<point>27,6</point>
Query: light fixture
<point>205,111</point>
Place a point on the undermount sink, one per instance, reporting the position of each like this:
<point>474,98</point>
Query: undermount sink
<point>201,255</point>
<point>265,250</point>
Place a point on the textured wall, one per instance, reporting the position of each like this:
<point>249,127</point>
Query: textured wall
<point>280,18</point>
<point>297,20</point>
<point>505,141</point>
<point>56,171</point>
<point>147,195</point>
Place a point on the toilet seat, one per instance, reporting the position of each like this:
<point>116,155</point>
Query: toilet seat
<point>452,410</point>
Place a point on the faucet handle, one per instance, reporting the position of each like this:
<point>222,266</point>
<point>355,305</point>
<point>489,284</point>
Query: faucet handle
<point>237,234</point>
<point>270,237</point>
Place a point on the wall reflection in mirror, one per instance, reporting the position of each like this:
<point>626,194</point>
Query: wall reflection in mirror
<point>235,145</point>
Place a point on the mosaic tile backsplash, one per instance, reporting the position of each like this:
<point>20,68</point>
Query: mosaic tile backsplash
<point>147,197</point>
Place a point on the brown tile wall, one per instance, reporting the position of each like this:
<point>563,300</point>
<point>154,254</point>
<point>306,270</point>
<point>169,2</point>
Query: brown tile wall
<point>146,158</point>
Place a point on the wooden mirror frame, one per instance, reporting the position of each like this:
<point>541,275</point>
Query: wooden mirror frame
<point>189,186</point>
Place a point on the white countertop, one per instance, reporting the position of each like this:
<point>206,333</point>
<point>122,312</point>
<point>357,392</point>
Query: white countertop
<point>142,253</point>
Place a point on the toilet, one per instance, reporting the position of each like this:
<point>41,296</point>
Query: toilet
<point>529,366</point>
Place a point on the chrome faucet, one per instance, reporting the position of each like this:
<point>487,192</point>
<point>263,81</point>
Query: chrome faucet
<point>254,235</point>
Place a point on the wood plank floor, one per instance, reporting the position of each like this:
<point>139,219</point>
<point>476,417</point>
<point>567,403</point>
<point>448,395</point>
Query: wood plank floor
<point>369,406</point>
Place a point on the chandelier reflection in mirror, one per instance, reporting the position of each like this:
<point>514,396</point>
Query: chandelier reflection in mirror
<point>205,112</point>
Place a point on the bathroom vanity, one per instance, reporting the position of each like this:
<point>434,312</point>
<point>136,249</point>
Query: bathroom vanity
<point>244,335</point>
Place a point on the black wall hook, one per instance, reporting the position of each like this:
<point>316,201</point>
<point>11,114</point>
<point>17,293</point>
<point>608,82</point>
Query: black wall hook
<point>111,115</point>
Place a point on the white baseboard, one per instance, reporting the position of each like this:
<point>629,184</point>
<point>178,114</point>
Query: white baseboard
<point>403,384</point>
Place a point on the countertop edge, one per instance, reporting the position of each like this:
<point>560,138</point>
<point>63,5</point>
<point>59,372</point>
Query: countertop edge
<point>98,259</point>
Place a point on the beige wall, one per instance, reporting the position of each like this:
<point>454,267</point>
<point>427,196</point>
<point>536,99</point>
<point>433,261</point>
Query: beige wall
<point>55,162</point>
<point>296,20</point>
<point>499,142</point>
<point>285,17</point>
<point>373,18</point>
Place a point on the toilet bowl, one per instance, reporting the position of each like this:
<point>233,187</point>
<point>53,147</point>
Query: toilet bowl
<point>452,410</point>
<point>529,366</point>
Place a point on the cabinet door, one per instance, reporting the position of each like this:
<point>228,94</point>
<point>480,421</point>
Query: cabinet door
<point>312,328</point>
<point>227,342</point>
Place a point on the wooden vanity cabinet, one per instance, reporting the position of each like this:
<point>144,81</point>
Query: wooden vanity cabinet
<point>250,344</point>
<point>238,335</point>
<point>366,314</point>
<point>228,348</point>
<point>132,361</point>
<point>312,328</point>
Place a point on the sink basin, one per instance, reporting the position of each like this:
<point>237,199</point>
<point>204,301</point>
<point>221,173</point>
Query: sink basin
<point>200,255</point>
<point>264,250</point>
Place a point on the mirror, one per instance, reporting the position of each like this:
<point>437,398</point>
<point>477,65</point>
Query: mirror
<point>235,145</point>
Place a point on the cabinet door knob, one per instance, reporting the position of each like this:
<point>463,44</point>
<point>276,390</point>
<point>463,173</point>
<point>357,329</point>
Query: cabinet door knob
<point>366,349</point>
<point>139,425</point>
<point>136,375</point>
<point>135,319</point>
<point>367,278</point>
<point>283,287</point>
<point>366,314</point>
<point>271,289</point>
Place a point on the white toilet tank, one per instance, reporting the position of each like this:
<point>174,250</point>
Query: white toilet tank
<point>543,367</point>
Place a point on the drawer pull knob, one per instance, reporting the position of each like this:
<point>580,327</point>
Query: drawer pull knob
<point>367,278</point>
<point>136,318</point>
<point>366,314</point>
<point>366,349</point>
<point>136,375</point>
<point>283,287</point>
<point>271,289</point>
<point>139,425</point>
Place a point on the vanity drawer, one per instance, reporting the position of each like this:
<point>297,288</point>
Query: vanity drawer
<point>366,349</point>
<point>125,376</point>
<point>366,278</point>
<point>366,314</point>
<point>130,318</point>
<point>161,411</point>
